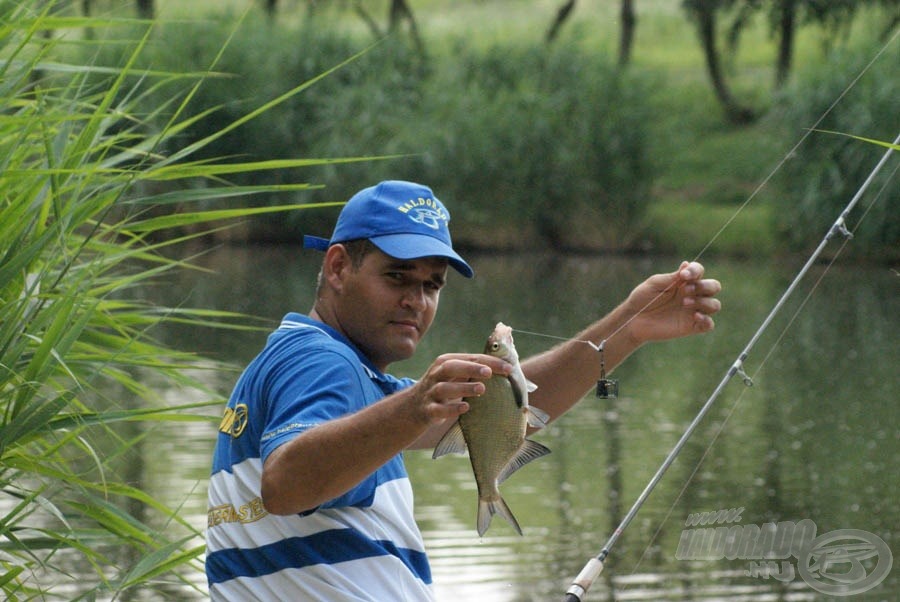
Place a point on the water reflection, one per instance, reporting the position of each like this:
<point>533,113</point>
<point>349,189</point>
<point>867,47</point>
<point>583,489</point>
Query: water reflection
<point>817,436</point>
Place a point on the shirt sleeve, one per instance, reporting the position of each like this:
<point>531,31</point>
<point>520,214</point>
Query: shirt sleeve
<point>303,390</point>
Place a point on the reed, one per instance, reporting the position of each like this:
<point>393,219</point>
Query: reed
<point>84,169</point>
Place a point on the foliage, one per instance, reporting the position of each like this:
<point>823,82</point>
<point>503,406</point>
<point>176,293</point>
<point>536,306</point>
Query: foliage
<point>552,139</point>
<point>832,168</point>
<point>261,60</point>
<point>456,121</point>
<point>84,162</point>
<point>477,117</point>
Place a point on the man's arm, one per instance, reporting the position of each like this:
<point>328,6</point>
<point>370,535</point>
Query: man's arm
<point>664,306</point>
<point>330,459</point>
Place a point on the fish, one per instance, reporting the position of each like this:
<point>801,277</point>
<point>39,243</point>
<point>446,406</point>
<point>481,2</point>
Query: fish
<point>493,431</point>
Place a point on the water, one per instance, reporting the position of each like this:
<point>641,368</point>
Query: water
<point>816,437</point>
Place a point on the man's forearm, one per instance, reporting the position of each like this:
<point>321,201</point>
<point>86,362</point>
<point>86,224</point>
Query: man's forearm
<point>332,458</point>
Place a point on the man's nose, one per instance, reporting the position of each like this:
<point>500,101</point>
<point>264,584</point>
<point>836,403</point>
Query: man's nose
<point>415,297</point>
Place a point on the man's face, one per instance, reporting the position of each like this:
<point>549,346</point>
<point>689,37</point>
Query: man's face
<point>387,305</point>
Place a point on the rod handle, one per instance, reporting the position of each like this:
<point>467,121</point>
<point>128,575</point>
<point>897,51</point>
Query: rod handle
<point>584,580</point>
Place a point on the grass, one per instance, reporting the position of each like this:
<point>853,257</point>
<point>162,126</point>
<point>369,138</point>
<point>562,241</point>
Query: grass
<point>705,171</point>
<point>680,228</point>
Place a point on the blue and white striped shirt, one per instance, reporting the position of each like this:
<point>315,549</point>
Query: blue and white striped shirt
<point>363,545</point>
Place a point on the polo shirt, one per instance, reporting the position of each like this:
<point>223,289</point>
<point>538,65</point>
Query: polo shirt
<point>361,546</point>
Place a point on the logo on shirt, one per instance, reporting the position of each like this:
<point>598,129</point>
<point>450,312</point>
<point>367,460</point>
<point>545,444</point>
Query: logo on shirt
<point>234,421</point>
<point>245,513</point>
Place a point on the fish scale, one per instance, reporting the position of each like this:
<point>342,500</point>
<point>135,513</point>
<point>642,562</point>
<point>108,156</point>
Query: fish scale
<point>493,431</point>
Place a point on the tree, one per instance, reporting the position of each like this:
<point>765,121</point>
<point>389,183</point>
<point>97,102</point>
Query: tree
<point>628,19</point>
<point>562,16</point>
<point>398,11</point>
<point>626,37</point>
<point>705,14</point>
<point>145,9</point>
<point>785,15</point>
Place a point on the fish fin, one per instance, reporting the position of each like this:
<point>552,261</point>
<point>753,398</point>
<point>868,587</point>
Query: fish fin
<point>453,442</point>
<point>521,386</point>
<point>530,450</point>
<point>520,395</point>
<point>537,418</point>
<point>488,508</point>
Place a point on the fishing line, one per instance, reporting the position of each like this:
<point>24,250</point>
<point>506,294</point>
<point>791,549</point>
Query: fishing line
<point>549,336</point>
<point>607,388</point>
<point>744,204</point>
<point>846,240</point>
<point>594,567</point>
<point>793,150</point>
<point>727,418</point>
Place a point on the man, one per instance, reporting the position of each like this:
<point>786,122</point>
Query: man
<point>309,498</point>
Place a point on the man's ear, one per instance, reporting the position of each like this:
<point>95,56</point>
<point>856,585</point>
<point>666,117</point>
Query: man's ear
<point>336,265</point>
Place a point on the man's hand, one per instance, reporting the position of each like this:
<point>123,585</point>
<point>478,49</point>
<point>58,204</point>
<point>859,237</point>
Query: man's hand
<point>667,306</point>
<point>439,394</point>
<point>437,397</point>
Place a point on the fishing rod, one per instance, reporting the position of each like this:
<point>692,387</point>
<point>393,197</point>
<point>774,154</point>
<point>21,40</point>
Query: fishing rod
<point>594,566</point>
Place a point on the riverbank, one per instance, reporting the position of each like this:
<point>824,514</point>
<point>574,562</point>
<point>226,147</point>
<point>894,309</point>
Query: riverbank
<point>548,147</point>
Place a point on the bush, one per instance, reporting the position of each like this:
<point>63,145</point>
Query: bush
<point>826,171</point>
<point>547,140</point>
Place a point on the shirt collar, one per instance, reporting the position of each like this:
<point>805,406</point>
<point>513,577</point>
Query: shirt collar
<point>295,320</point>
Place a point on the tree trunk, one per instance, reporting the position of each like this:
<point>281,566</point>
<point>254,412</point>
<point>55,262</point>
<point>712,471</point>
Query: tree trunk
<point>367,18</point>
<point>706,23</point>
<point>561,15</point>
<point>271,7</point>
<point>145,9</point>
<point>786,21</point>
<point>889,27</point>
<point>401,11</point>
<point>629,22</point>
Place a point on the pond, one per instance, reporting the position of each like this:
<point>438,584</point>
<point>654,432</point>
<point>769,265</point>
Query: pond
<point>813,446</point>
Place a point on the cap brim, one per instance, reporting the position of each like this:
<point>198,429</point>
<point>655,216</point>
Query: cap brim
<point>415,246</point>
<point>315,242</point>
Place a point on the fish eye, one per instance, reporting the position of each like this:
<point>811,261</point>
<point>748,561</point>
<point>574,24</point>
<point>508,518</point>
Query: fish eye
<point>495,346</point>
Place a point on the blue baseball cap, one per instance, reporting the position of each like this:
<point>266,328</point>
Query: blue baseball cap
<point>403,219</point>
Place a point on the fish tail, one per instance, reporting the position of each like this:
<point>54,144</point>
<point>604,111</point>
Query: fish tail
<point>488,507</point>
